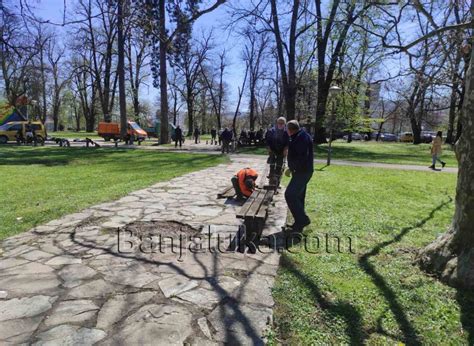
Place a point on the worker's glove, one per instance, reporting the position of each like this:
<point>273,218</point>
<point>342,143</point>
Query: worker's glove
<point>288,172</point>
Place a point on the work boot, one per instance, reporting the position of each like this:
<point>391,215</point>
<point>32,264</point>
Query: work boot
<point>432,167</point>
<point>443,164</point>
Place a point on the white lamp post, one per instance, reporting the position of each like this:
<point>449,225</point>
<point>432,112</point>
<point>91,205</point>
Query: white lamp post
<point>33,104</point>
<point>333,92</point>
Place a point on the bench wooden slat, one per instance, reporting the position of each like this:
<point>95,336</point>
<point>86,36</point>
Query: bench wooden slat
<point>268,197</point>
<point>243,211</point>
<point>257,202</point>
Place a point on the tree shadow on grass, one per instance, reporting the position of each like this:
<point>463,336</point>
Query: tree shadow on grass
<point>465,300</point>
<point>410,335</point>
<point>48,156</point>
<point>347,311</point>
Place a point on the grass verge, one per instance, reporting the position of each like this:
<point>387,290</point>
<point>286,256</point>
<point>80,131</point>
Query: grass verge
<point>44,183</point>
<point>377,295</point>
<point>395,153</point>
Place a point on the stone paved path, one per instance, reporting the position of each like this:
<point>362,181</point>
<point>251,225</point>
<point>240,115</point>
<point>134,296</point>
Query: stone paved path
<point>80,280</point>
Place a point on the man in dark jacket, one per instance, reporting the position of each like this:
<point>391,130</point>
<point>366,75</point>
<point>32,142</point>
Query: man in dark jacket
<point>213,136</point>
<point>277,140</point>
<point>226,139</point>
<point>197,133</point>
<point>178,137</point>
<point>301,165</point>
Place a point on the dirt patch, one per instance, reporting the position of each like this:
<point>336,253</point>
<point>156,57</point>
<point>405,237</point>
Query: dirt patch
<point>163,228</point>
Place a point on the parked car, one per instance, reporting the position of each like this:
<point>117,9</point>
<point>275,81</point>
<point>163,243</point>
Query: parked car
<point>388,137</point>
<point>154,131</point>
<point>406,137</point>
<point>427,137</point>
<point>355,137</point>
<point>110,131</point>
<point>9,131</point>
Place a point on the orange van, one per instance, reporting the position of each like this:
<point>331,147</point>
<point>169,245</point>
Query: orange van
<point>110,131</point>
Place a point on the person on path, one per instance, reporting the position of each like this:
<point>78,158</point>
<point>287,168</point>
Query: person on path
<point>244,182</point>
<point>277,140</point>
<point>436,150</point>
<point>219,135</point>
<point>301,166</point>
<point>226,139</point>
<point>213,136</point>
<point>197,133</point>
<point>178,134</point>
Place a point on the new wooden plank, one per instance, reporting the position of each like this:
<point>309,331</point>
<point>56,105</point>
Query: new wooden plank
<point>253,210</point>
<point>248,203</point>
<point>263,210</point>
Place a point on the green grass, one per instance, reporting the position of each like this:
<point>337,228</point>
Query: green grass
<point>377,295</point>
<point>44,183</point>
<point>396,153</point>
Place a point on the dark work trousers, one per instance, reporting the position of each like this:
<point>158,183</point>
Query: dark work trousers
<point>180,141</point>
<point>235,184</point>
<point>295,195</point>
<point>276,165</point>
<point>225,146</point>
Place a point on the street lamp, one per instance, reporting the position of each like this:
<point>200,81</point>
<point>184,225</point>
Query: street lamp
<point>33,104</point>
<point>333,92</point>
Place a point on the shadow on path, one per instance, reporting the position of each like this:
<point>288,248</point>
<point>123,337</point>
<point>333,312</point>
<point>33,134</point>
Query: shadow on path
<point>231,302</point>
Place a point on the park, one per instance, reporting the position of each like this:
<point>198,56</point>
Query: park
<point>236,172</point>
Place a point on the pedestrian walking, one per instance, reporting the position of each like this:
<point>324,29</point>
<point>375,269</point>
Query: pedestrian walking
<point>437,150</point>
<point>301,165</point>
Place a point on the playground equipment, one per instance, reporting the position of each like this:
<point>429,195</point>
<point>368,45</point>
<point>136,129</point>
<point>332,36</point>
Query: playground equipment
<point>9,113</point>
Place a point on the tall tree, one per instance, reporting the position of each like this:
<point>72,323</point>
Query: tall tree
<point>137,55</point>
<point>341,17</point>
<point>214,82</point>
<point>187,58</point>
<point>183,14</point>
<point>55,55</point>
<point>451,255</point>
<point>254,53</point>
<point>99,22</point>
<point>121,68</point>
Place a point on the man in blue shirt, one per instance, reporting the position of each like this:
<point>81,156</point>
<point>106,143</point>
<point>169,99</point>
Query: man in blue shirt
<point>277,140</point>
<point>301,165</point>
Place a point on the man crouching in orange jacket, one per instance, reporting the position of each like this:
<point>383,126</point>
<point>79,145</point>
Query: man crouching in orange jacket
<point>244,182</point>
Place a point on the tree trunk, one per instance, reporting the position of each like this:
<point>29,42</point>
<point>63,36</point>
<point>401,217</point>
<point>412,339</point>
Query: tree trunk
<point>190,105</point>
<point>163,75</point>
<point>43,85</point>
<point>451,256</point>
<point>252,106</point>
<point>453,99</point>
<point>416,129</point>
<point>121,71</point>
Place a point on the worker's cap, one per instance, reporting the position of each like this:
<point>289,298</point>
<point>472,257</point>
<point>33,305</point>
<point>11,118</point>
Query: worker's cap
<point>293,125</point>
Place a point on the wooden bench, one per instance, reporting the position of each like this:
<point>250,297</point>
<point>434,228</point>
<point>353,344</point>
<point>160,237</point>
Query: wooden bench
<point>254,212</point>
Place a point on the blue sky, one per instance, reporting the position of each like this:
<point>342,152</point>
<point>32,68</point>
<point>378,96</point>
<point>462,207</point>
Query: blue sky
<point>53,10</point>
